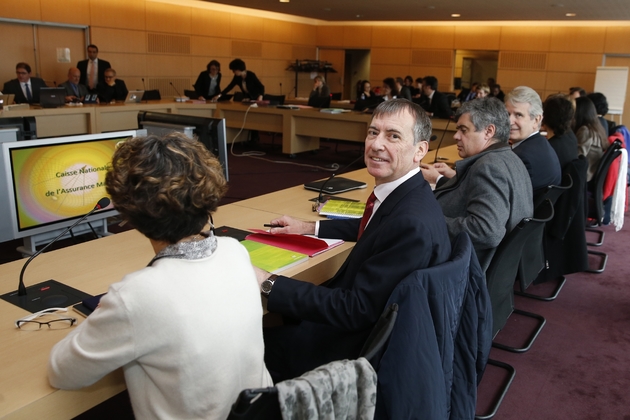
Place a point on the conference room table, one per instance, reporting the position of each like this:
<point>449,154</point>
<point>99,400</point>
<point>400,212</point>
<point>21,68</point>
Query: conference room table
<point>99,118</point>
<point>91,267</point>
<point>302,128</point>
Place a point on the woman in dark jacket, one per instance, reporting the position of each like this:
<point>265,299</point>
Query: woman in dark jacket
<point>208,84</point>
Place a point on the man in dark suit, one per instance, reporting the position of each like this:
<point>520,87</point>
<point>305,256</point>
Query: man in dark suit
<point>92,69</point>
<point>468,94</point>
<point>525,109</point>
<point>75,91</point>
<point>112,89</point>
<point>25,88</point>
<point>405,232</point>
<point>246,80</point>
<point>434,103</point>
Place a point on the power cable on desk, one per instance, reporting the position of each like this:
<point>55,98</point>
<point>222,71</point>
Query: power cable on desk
<point>257,155</point>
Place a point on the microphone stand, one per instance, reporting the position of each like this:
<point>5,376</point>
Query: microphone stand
<point>440,143</point>
<point>179,98</point>
<point>49,293</point>
<point>320,198</point>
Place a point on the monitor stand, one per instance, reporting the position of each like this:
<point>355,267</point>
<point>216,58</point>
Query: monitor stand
<point>32,242</point>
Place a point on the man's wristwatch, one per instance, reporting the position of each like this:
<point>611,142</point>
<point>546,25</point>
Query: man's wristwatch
<point>266,285</point>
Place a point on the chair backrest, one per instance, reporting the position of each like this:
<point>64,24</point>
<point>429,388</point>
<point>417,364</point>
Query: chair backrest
<point>596,185</point>
<point>503,268</point>
<point>274,99</point>
<point>256,404</point>
<point>319,101</point>
<point>553,192</point>
<point>152,95</point>
<point>335,96</point>
<point>377,340</point>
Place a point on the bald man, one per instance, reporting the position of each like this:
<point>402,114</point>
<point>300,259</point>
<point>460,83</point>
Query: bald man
<point>75,92</point>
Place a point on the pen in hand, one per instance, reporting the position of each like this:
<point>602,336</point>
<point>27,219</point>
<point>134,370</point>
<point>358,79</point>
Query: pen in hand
<point>272,226</point>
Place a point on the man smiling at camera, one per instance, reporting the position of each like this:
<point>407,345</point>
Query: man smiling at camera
<point>404,232</point>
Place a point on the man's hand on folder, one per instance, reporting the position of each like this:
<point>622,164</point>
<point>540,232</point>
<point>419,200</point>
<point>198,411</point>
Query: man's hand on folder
<point>293,226</point>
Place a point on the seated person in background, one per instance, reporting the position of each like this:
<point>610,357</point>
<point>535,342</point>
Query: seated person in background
<point>576,92</point>
<point>113,89</point>
<point>601,106</point>
<point>592,140</point>
<point>409,83</point>
<point>320,95</point>
<point>417,92</point>
<point>496,92</point>
<point>434,103</point>
<point>366,98</point>
<point>246,80</point>
<point>489,191</point>
<point>389,90</point>
<point>405,232</point>
<point>208,83</point>
<point>483,91</point>
<point>186,329</point>
<point>525,109</point>
<point>24,87</point>
<point>75,92</point>
<point>403,90</point>
<point>467,94</point>
<point>557,118</point>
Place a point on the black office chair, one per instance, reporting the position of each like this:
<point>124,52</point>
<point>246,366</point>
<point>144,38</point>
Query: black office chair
<point>502,272</point>
<point>379,337</point>
<point>319,102</point>
<point>534,257</point>
<point>595,189</point>
<point>152,95</point>
<point>265,403</point>
<point>335,96</point>
<point>274,99</point>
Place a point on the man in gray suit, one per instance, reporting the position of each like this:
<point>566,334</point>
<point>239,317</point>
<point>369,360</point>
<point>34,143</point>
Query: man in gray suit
<point>75,92</point>
<point>489,192</point>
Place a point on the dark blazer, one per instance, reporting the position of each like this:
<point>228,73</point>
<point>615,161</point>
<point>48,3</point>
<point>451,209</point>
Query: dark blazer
<point>566,147</point>
<point>407,233</point>
<point>463,94</point>
<point>320,98</point>
<point>405,93</point>
<point>438,106</point>
<point>102,66</point>
<point>108,93</point>
<point>254,87</point>
<point>440,343</point>
<point>202,85</point>
<point>13,87</point>
<point>541,162</point>
<point>83,90</point>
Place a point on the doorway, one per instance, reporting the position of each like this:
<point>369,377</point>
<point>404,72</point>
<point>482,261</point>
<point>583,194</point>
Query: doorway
<point>357,68</point>
<point>475,66</point>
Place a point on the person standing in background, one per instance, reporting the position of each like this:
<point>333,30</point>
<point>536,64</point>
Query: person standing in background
<point>92,69</point>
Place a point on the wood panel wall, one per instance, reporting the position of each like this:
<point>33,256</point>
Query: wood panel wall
<point>122,28</point>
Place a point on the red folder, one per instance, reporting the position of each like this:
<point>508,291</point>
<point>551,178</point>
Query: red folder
<point>304,244</point>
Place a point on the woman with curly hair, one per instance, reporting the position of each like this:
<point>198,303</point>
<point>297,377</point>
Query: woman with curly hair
<point>186,329</point>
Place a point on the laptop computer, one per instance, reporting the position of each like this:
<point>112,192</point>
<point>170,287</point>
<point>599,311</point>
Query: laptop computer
<point>6,99</point>
<point>134,97</point>
<point>52,97</point>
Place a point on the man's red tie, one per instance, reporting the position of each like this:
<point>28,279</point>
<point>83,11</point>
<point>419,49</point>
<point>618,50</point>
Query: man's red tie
<point>369,208</point>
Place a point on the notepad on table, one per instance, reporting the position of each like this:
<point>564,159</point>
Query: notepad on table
<point>304,244</point>
<point>342,209</point>
<point>271,258</point>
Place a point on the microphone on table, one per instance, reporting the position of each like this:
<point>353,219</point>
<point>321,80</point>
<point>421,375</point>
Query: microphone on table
<point>320,198</point>
<point>179,98</point>
<point>51,300</point>
<point>440,143</point>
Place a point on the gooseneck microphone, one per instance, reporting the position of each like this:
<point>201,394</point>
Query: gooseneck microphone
<point>320,198</point>
<point>179,98</point>
<point>143,85</point>
<point>102,203</point>
<point>440,143</point>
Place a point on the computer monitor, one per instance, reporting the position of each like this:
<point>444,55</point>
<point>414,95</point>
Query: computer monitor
<point>50,183</point>
<point>209,131</point>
